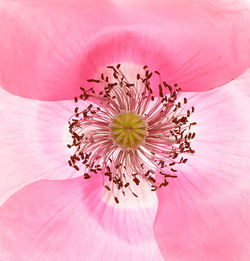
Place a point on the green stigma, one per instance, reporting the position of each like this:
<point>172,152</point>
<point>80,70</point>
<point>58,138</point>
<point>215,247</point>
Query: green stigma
<point>128,129</point>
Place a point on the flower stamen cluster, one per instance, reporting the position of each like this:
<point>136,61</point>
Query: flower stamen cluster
<point>129,134</point>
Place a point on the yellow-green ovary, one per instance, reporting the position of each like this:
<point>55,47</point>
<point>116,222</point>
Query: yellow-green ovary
<point>128,129</point>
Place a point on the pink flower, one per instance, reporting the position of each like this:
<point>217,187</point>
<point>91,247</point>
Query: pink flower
<point>48,49</point>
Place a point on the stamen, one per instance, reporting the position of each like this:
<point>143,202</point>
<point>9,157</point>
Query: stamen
<point>132,135</point>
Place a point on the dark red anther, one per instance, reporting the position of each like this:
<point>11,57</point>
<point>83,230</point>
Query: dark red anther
<point>151,179</point>
<point>76,167</point>
<point>107,187</point>
<point>160,91</point>
<point>136,181</point>
<point>134,194</point>
<point>170,176</point>
<point>153,188</point>
<point>86,176</point>
<point>93,80</point>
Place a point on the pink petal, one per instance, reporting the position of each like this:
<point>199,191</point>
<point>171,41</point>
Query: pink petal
<point>205,213</point>
<point>33,138</point>
<point>48,49</point>
<point>66,220</point>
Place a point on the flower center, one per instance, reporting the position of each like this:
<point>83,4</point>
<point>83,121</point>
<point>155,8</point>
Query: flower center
<point>128,130</point>
<point>129,135</point>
